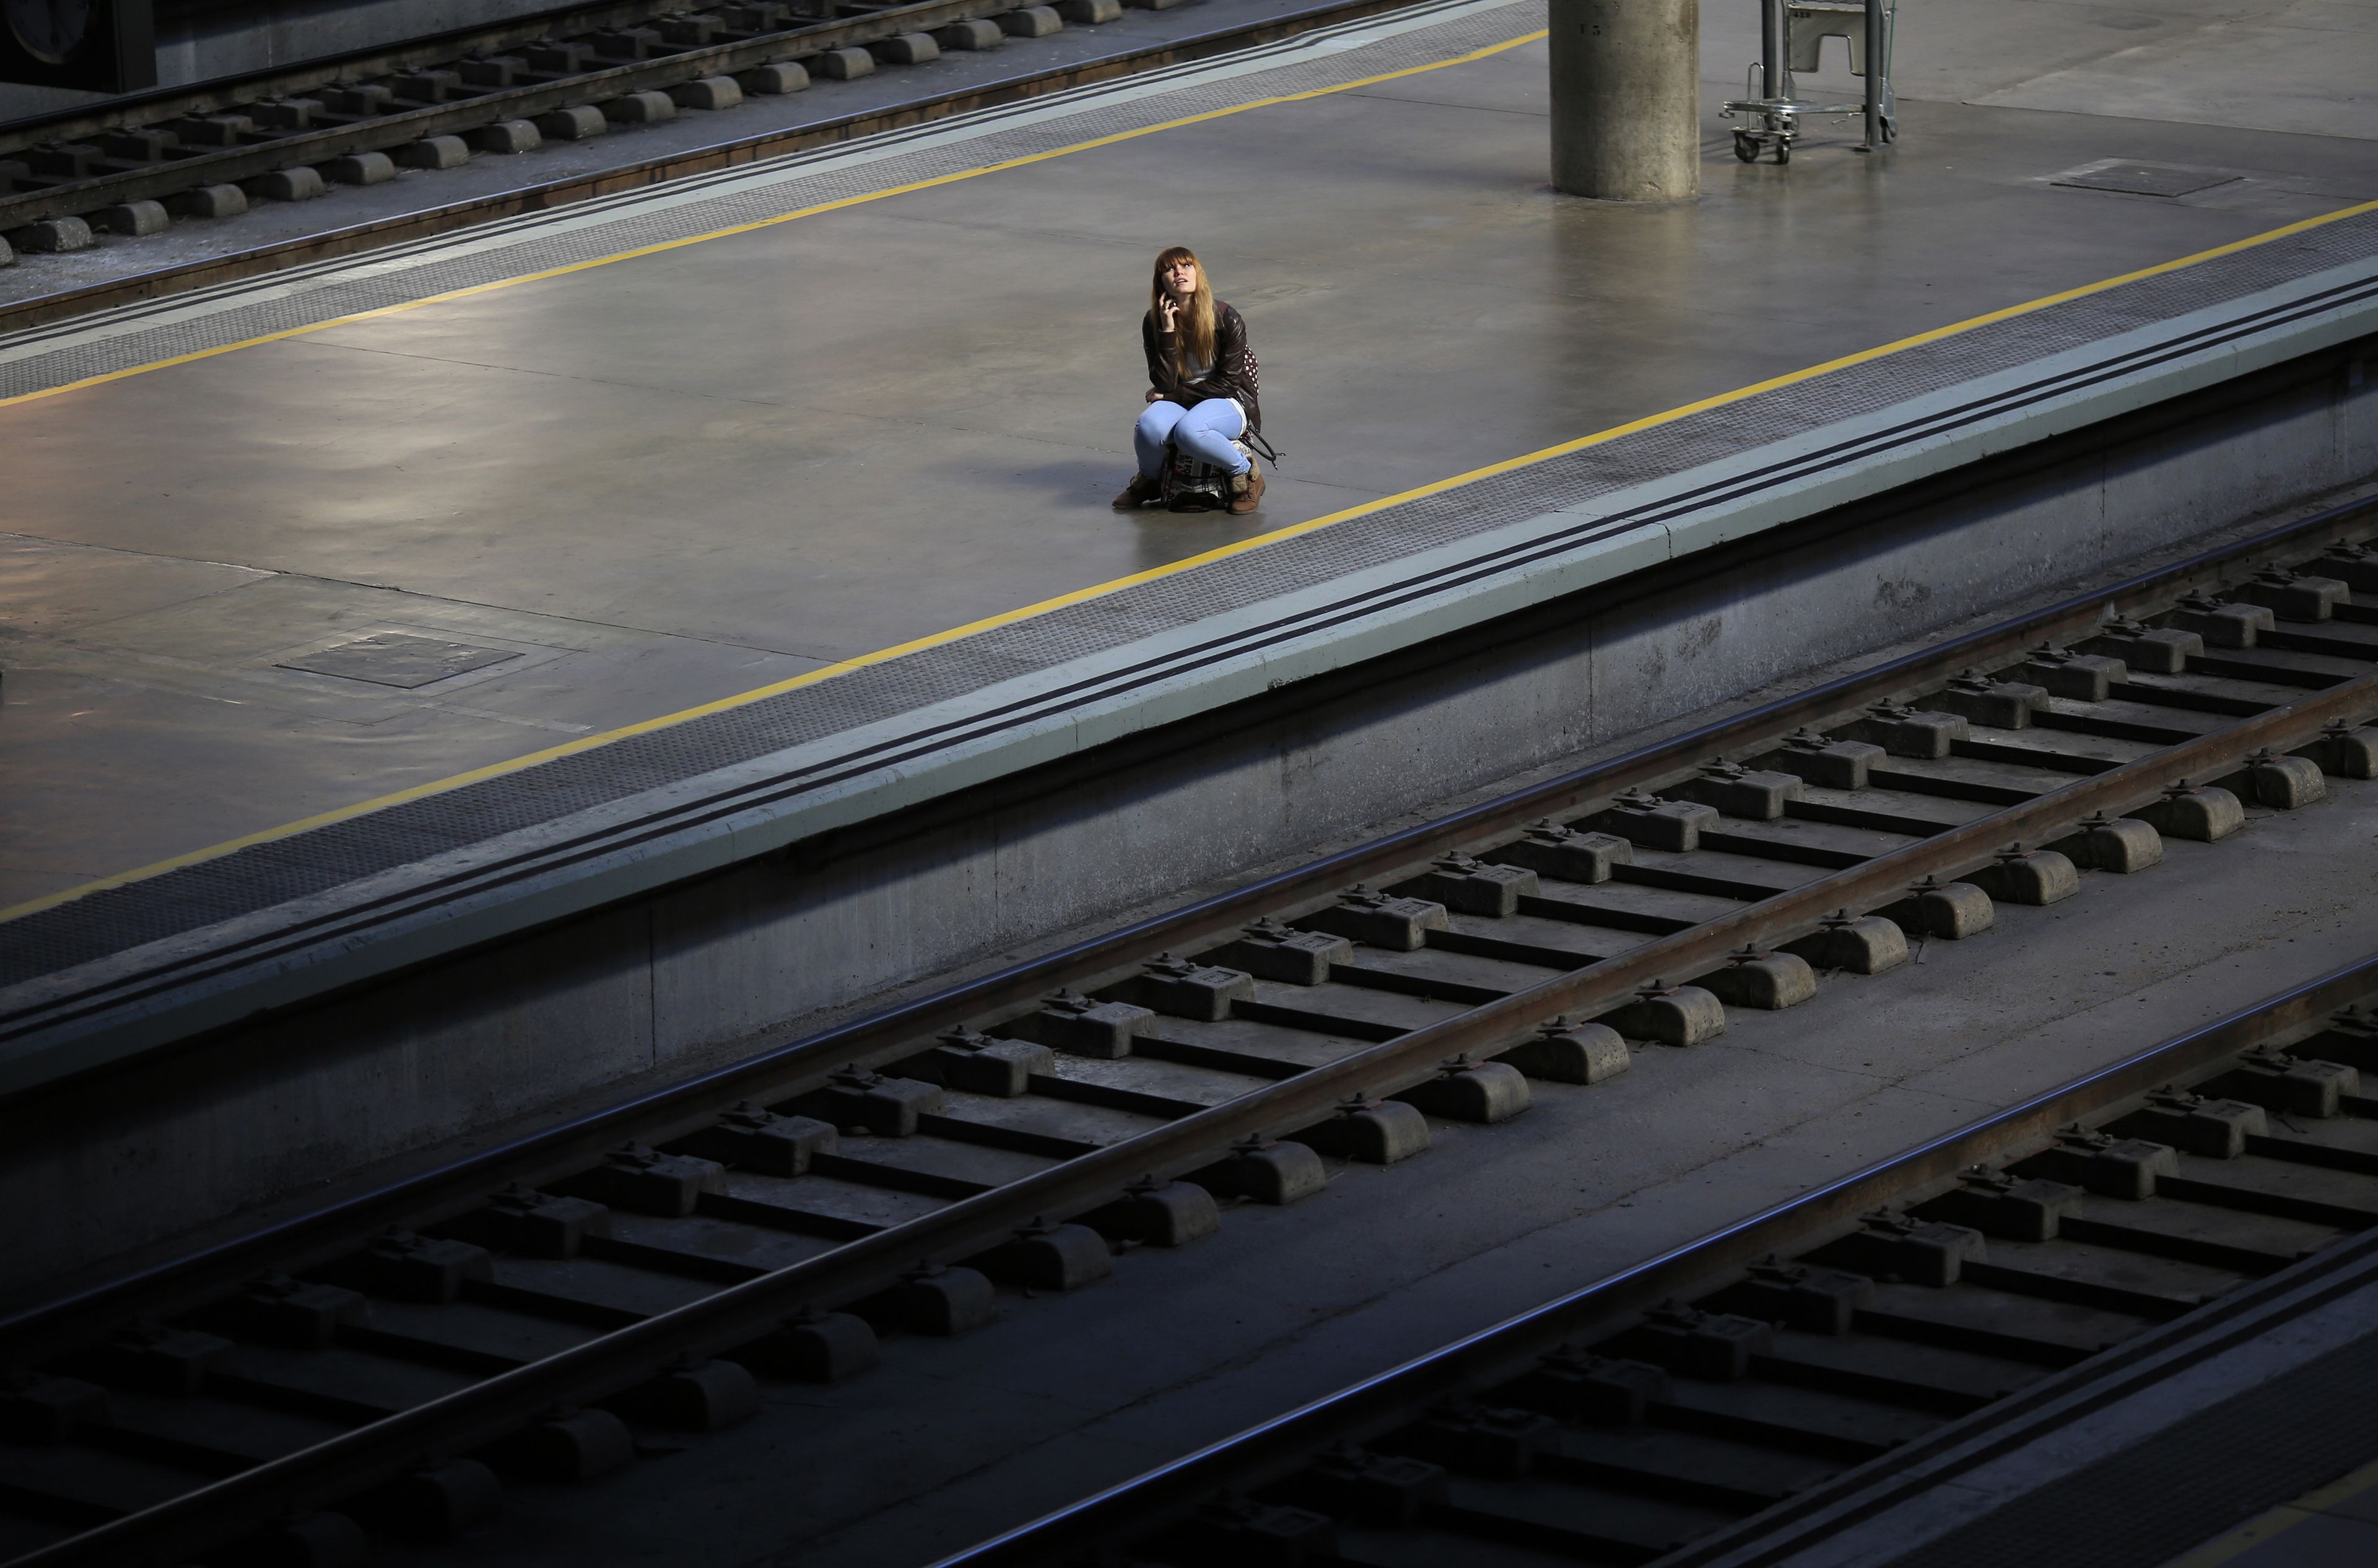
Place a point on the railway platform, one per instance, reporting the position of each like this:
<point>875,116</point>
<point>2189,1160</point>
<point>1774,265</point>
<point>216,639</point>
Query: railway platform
<point>390,605</point>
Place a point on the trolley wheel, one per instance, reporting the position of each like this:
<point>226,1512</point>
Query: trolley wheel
<point>1745,148</point>
<point>1782,150</point>
<point>1890,129</point>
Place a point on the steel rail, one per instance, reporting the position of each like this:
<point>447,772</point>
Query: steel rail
<point>233,164</point>
<point>601,1367</point>
<point>877,1038</point>
<point>1368,1409</point>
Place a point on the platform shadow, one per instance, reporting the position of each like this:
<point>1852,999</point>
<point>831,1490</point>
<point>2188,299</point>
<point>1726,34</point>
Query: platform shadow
<point>1064,483</point>
<point>1085,488</point>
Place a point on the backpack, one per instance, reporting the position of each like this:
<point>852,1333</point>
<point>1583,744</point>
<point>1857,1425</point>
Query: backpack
<point>1254,438</point>
<point>1188,485</point>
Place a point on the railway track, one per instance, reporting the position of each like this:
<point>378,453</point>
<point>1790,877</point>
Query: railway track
<point>1798,1372</point>
<point>531,1307</point>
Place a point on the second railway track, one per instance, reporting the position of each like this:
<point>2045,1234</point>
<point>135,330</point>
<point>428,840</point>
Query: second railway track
<point>772,1216</point>
<point>1769,1387</point>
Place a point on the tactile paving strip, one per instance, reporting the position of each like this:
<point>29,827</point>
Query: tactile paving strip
<point>264,875</point>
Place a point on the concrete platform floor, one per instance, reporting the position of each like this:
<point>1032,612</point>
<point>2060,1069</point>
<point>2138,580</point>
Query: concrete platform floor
<point>658,483</point>
<point>951,1441</point>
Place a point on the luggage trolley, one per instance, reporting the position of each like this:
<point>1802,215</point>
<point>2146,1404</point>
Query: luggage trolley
<point>1792,39</point>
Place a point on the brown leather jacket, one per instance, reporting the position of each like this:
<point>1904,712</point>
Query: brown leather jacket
<point>1234,375</point>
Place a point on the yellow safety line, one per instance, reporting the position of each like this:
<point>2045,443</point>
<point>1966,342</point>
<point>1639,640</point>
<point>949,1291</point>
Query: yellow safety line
<point>1007,617</point>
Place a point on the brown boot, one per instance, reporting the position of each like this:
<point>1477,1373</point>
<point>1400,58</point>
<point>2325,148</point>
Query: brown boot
<point>1135,495</point>
<point>1246,489</point>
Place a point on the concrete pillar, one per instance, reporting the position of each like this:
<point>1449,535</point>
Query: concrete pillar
<point>1626,99</point>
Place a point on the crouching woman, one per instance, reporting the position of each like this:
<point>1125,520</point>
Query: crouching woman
<point>1201,392</point>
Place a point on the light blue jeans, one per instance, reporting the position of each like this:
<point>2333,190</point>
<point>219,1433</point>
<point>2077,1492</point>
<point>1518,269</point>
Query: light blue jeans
<point>1204,432</point>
